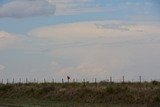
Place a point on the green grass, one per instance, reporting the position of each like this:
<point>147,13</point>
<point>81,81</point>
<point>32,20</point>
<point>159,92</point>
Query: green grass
<point>103,92</point>
<point>43,103</point>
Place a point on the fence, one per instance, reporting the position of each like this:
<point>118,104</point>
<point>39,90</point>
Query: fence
<point>109,80</point>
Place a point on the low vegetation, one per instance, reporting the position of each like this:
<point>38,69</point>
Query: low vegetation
<point>103,92</point>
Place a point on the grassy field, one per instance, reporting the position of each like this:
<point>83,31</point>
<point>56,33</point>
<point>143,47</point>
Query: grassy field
<point>37,103</point>
<point>103,92</point>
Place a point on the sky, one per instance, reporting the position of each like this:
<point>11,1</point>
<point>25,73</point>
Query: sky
<point>83,39</point>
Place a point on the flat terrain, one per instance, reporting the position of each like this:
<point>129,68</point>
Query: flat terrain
<point>103,92</point>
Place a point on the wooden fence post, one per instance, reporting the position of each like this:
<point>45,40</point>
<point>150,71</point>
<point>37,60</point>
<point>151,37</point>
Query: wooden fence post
<point>62,81</point>
<point>44,80</point>
<point>13,81</point>
<point>123,79</point>
<point>2,81</point>
<point>84,82</point>
<point>140,79</point>
<point>19,80</point>
<point>52,80</point>
<point>95,80</point>
<point>7,81</point>
<point>110,79</point>
<point>34,80</point>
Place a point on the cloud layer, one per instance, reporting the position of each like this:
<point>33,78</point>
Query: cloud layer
<point>26,8</point>
<point>29,8</point>
<point>111,32</point>
<point>78,39</point>
<point>70,7</point>
<point>85,50</point>
<point>2,67</point>
<point>8,39</point>
<point>101,48</point>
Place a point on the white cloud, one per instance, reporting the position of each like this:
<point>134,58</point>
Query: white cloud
<point>2,67</point>
<point>91,61</point>
<point>69,7</point>
<point>26,8</point>
<point>94,49</point>
<point>99,32</point>
<point>83,70</point>
<point>54,65</point>
<point>101,48</point>
<point>8,39</point>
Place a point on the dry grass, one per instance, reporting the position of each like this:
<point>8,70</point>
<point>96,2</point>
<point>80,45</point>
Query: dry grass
<point>103,92</point>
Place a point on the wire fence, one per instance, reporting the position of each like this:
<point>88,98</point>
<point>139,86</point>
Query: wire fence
<point>110,79</point>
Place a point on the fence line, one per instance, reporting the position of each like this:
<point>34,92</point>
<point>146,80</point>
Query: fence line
<point>35,80</point>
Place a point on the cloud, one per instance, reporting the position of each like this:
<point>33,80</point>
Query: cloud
<point>83,70</point>
<point>89,33</point>
<point>100,48</point>
<point>122,26</point>
<point>8,39</point>
<point>91,62</point>
<point>26,8</point>
<point>104,61</point>
<point>29,8</point>
<point>54,65</point>
<point>70,7</point>
<point>2,67</point>
<point>85,50</point>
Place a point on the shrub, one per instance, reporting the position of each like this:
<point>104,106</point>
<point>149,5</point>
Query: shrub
<point>5,87</point>
<point>155,82</point>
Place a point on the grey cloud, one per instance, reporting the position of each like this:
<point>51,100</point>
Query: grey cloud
<point>26,8</point>
<point>121,27</point>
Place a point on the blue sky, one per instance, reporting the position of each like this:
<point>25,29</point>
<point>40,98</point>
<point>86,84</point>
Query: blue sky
<point>80,38</point>
<point>111,10</point>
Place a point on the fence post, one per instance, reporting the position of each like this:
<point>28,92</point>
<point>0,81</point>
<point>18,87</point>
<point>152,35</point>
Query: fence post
<point>84,82</point>
<point>19,80</point>
<point>34,80</point>
<point>7,81</point>
<point>62,81</point>
<point>123,79</point>
<point>52,80</point>
<point>95,80</point>
<point>140,79</point>
<point>13,81</point>
<point>110,79</point>
<point>44,80</point>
